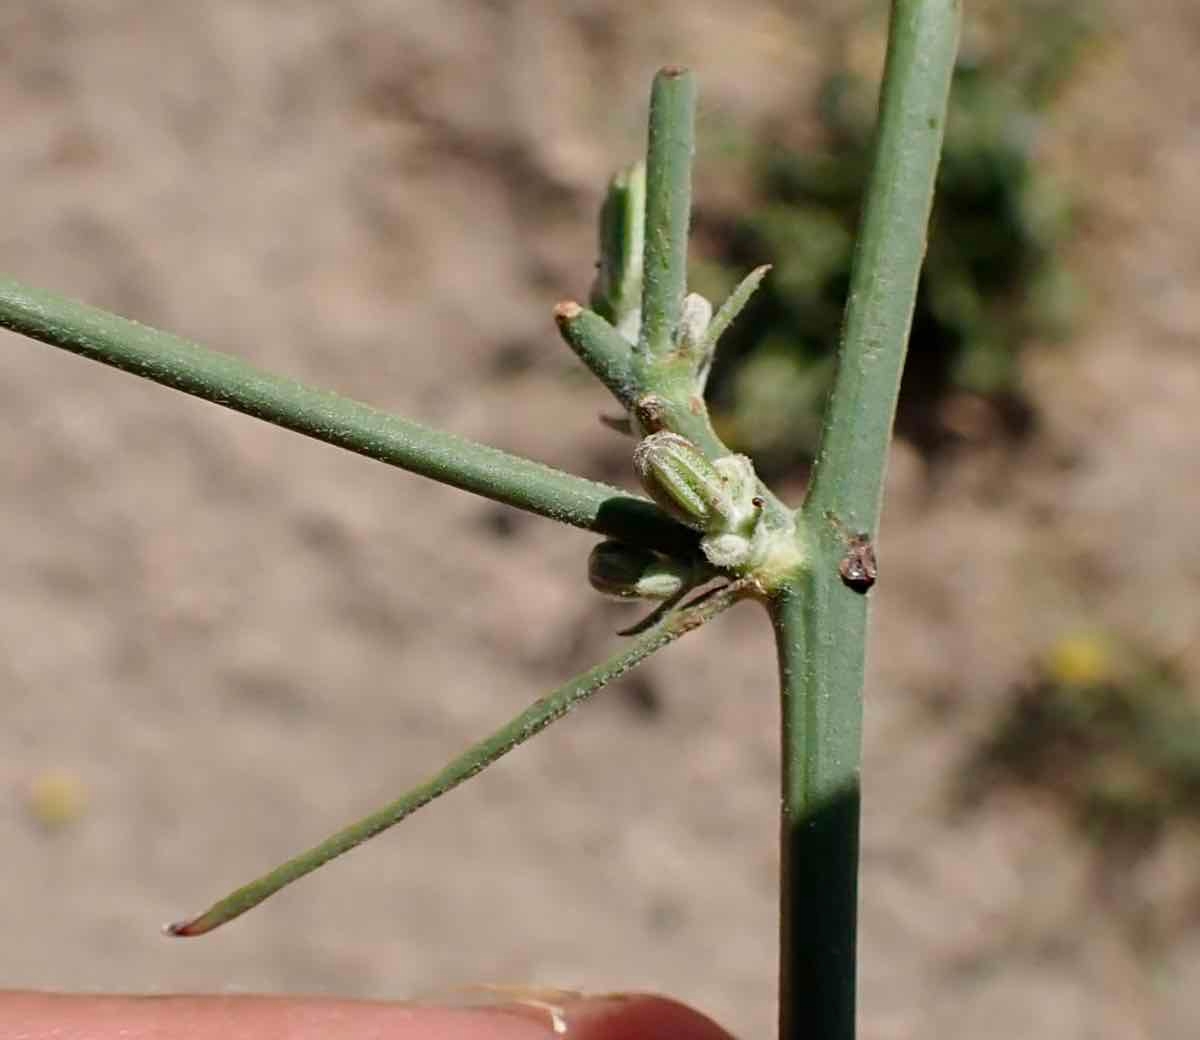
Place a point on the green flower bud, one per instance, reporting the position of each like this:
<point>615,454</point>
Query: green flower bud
<point>617,569</point>
<point>682,480</point>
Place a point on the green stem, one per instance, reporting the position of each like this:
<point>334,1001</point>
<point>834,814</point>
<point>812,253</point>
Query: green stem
<point>820,623</point>
<point>822,732</point>
<point>601,347</point>
<point>667,390</point>
<point>668,207</point>
<point>730,309</point>
<point>474,760</point>
<point>617,291</point>
<point>225,380</point>
<point>848,472</point>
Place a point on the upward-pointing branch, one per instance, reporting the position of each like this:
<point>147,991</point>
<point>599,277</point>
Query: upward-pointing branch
<point>668,207</point>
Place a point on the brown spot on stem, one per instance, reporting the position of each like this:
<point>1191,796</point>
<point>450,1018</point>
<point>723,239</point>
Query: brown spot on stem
<point>673,71</point>
<point>651,412</point>
<point>858,567</point>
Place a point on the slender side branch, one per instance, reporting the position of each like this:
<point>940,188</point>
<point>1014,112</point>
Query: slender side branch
<point>821,623</point>
<point>617,291</point>
<point>730,309</point>
<point>668,207</point>
<point>336,420</point>
<point>599,346</point>
<point>474,760</point>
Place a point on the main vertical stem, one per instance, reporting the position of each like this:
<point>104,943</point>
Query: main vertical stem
<point>820,623</point>
<point>822,737</point>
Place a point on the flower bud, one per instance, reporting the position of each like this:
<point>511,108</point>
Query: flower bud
<point>617,569</point>
<point>682,480</point>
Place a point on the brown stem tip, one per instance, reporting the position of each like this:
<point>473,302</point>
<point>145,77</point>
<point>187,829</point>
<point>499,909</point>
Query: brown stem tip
<point>185,929</point>
<point>673,71</point>
<point>568,310</point>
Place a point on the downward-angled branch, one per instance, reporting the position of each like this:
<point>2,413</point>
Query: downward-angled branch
<point>227,381</point>
<point>474,760</point>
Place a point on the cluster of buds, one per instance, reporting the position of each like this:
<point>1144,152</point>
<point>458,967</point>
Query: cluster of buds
<point>716,497</point>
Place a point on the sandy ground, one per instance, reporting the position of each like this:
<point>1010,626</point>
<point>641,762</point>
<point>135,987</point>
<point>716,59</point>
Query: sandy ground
<point>237,639</point>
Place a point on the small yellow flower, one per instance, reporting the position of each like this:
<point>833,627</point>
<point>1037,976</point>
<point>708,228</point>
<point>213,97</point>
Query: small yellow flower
<point>56,799</point>
<point>1080,660</point>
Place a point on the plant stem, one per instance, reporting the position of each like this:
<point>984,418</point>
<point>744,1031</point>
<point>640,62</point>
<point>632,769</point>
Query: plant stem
<point>820,623</point>
<point>336,420</point>
<point>660,374</point>
<point>599,346</point>
<point>731,308</point>
<point>848,472</point>
<point>474,760</point>
<point>668,207</point>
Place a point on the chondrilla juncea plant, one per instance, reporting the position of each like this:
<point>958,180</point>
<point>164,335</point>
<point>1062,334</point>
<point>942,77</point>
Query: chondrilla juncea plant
<point>710,533</point>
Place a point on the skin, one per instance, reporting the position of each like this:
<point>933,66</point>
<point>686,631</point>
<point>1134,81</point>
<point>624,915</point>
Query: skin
<point>50,1016</point>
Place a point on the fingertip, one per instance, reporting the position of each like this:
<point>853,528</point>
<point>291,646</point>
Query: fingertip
<point>44,1016</point>
<point>49,1016</point>
<point>638,1017</point>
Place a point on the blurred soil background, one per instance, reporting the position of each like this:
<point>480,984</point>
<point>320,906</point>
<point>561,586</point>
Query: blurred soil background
<point>219,641</point>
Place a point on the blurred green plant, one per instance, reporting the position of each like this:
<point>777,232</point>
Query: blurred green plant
<point>993,279</point>
<point>1111,735</point>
